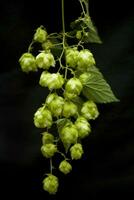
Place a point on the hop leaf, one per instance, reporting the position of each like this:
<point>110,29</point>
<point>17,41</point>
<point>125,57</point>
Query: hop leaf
<point>95,87</point>
<point>92,33</point>
<point>86,26</point>
<point>65,167</point>
<point>51,184</point>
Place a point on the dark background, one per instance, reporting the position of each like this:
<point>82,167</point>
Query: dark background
<point>107,168</point>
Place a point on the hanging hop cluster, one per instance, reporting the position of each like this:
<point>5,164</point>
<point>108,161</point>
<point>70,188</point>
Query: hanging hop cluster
<point>64,106</point>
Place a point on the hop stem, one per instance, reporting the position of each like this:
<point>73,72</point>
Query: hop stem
<point>63,19</point>
<point>63,30</point>
<point>51,166</point>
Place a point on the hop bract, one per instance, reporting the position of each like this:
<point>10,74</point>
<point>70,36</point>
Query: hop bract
<point>72,57</point>
<point>69,95</point>
<point>85,60</point>
<point>89,110</point>
<point>69,109</point>
<point>76,151</point>
<point>44,60</point>
<point>73,88</point>
<point>27,62</point>
<point>40,35</point>
<point>50,98</point>
<point>65,167</point>
<point>48,150</point>
<point>43,118</point>
<point>52,81</point>
<point>69,135</point>
<point>56,105</point>
<point>47,138</point>
<point>51,184</point>
<point>83,127</point>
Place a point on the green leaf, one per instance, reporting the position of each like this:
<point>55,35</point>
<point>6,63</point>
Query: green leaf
<point>92,69</point>
<point>85,24</point>
<point>84,1</point>
<point>97,89</point>
<point>92,34</point>
<point>77,24</point>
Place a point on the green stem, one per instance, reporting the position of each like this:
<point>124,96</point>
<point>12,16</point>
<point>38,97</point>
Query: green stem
<point>62,154</point>
<point>83,10</point>
<point>51,166</point>
<point>63,30</point>
<point>30,46</point>
<point>63,20</point>
<point>87,7</point>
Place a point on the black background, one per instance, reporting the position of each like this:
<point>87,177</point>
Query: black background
<point>107,168</point>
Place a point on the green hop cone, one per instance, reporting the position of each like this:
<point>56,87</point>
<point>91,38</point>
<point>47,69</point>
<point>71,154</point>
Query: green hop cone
<point>69,109</point>
<point>47,138</point>
<point>43,118</point>
<point>40,35</point>
<point>51,184</point>
<point>84,78</point>
<point>85,60</point>
<point>45,60</point>
<point>65,167</point>
<point>72,57</point>
<point>69,135</point>
<point>76,151</point>
<point>48,150</point>
<point>73,88</point>
<point>52,81</point>
<point>55,104</point>
<point>45,76</point>
<point>47,45</point>
<point>78,35</point>
<point>83,127</point>
<point>27,62</point>
<point>89,110</point>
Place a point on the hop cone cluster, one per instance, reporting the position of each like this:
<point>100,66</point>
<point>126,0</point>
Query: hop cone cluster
<point>64,106</point>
